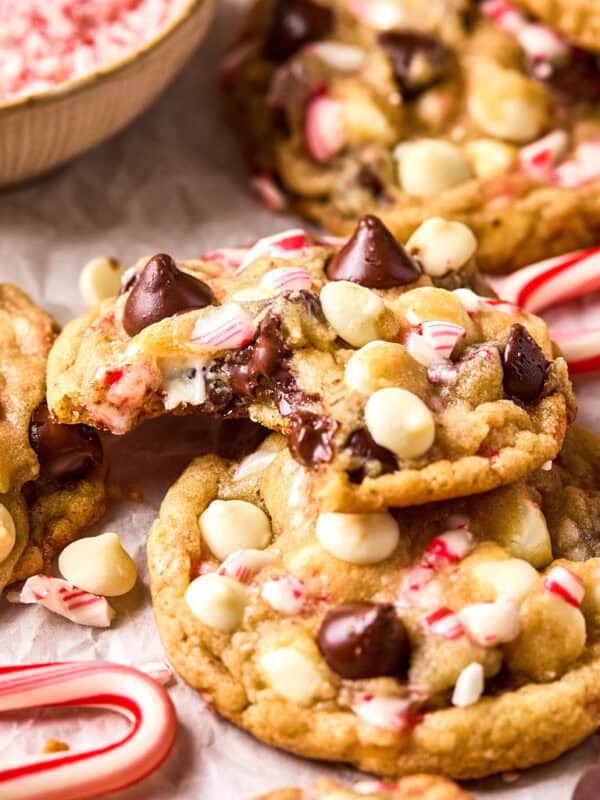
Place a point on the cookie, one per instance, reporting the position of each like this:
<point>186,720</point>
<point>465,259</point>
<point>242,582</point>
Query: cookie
<point>453,638</point>
<point>576,20</point>
<point>492,120</point>
<point>392,388</point>
<point>414,787</point>
<point>52,477</point>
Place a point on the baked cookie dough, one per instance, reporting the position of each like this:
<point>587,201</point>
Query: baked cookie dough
<point>393,381</point>
<point>361,107</point>
<point>576,20</point>
<point>413,787</point>
<point>453,638</point>
<point>52,477</point>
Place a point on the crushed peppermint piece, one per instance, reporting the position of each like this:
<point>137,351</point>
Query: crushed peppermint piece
<point>566,585</point>
<point>469,686</point>
<point>285,593</point>
<point>63,598</point>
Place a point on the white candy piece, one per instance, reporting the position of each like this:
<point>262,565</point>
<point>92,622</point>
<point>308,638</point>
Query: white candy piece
<point>399,420</point>
<point>291,674</point>
<point>358,538</point>
<point>286,278</point>
<point>511,578</point>
<point>389,713</point>
<point>285,244</point>
<point>340,56</point>
<point>490,624</point>
<point>566,585</point>
<point>430,166</point>
<point>183,383</point>
<point>100,279</point>
<point>8,533</point>
<point>447,548</point>
<point>469,686</point>
<point>217,601</point>
<point>230,525</point>
<point>538,158</point>
<point>442,246</point>
<point>61,597</point>
<point>99,564</point>
<point>244,564</point>
<point>353,311</point>
<point>224,328</point>
<point>285,593</point>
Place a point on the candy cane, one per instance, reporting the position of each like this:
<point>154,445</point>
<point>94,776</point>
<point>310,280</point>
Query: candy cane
<point>95,772</point>
<point>580,347</point>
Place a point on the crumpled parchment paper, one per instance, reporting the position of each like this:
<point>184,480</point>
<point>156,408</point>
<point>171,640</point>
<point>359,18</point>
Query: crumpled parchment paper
<point>172,182</point>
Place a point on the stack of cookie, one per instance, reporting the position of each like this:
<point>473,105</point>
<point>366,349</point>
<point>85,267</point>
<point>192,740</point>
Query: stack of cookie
<point>402,575</point>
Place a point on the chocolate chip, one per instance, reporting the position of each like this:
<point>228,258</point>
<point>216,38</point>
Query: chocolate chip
<point>293,24</point>
<point>66,452</point>
<point>364,640</point>
<point>418,59</point>
<point>161,291</point>
<point>373,258</point>
<point>525,366</point>
<point>310,438</point>
<point>364,447</point>
<point>588,786</point>
<point>370,181</point>
<point>578,79</point>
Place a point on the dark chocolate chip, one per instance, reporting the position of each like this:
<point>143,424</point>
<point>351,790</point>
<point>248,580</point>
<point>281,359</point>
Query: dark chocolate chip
<point>588,786</point>
<point>364,640</point>
<point>66,452</point>
<point>363,446</point>
<point>310,438</point>
<point>269,350</point>
<point>373,258</point>
<point>525,366</point>
<point>418,59</point>
<point>578,79</point>
<point>161,291</point>
<point>293,24</point>
<point>370,181</point>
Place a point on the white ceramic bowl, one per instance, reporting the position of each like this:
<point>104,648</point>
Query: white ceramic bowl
<point>40,132</point>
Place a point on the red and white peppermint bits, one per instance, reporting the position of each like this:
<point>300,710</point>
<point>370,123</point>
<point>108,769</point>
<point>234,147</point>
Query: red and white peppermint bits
<point>99,771</point>
<point>566,585</point>
<point>390,713</point>
<point>244,564</point>
<point>287,244</point>
<point>324,127</point>
<point>224,328</point>
<point>442,337</point>
<point>63,598</point>
<point>444,622</point>
<point>580,170</point>
<point>539,158</point>
<point>490,624</point>
<point>581,348</point>
<point>285,593</point>
<point>448,548</point>
<point>542,44</point>
<point>284,279</point>
<point>270,194</point>
<point>44,44</point>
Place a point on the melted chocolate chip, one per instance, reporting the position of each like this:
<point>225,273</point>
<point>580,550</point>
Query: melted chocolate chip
<point>364,447</point>
<point>418,59</point>
<point>161,291</point>
<point>588,786</point>
<point>310,438</point>
<point>525,366</point>
<point>370,181</point>
<point>293,24</point>
<point>364,640</point>
<point>66,452</point>
<point>373,258</point>
<point>578,79</point>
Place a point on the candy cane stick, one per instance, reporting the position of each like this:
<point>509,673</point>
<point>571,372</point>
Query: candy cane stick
<point>97,684</point>
<point>580,347</point>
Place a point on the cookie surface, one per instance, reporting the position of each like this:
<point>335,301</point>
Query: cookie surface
<point>393,381</point>
<point>414,787</point>
<point>52,477</point>
<point>453,638</point>
<point>577,20</point>
<point>366,115</point>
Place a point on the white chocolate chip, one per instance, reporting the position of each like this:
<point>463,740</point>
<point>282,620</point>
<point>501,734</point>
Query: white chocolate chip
<point>511,578</point>
<point>230,525</point>
<point>429,166</point>
<point>217,601</point>
<point>490,158</point>
<point>183,382</point>
<point>358,538</point>
<point>469,686</point>
<point>100,279</point>
<point>8,533</point>
<point>98,564</point>
<point>400,421</point>
<point>380,364</point>
<point>442,246</point>
<point>353,311</point>
<point>292,674</point>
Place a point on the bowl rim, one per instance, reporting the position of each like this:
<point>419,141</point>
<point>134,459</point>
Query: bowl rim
<point>77,85</point>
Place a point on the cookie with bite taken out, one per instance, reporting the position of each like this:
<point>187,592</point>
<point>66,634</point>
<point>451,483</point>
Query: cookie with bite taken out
<point>455,638</point>
<point>391,376</point>
<point>476,112</point>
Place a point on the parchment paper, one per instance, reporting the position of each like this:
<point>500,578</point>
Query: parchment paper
<point>173,182</point>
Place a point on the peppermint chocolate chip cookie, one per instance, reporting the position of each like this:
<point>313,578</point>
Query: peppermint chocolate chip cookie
<point>492,120</point>
<point>576,20</point>
<point>414,787</point>
<point>393,384</point>
<point>452,638</point>
<point>52,477</point>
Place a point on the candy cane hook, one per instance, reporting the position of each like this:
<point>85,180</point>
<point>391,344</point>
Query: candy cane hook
<point>97,684</point>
